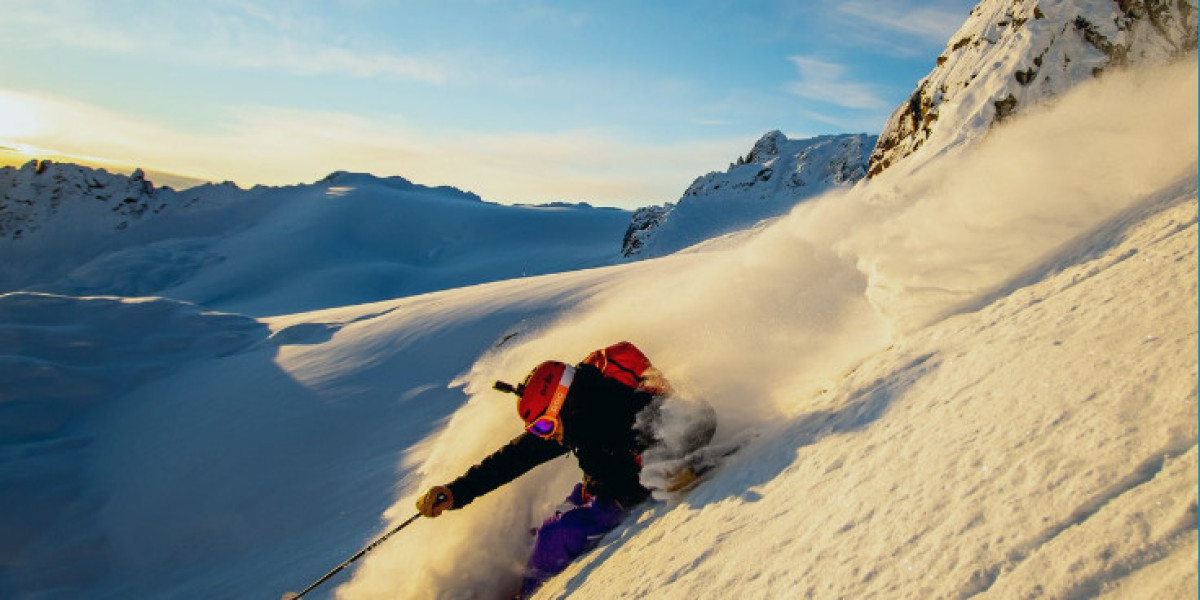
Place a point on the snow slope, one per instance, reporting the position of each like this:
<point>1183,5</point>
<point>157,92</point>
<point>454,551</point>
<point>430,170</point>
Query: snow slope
<point>1044,446</point>
<point>66,363</point>
<point>992,389</point>
<point>973,376</point>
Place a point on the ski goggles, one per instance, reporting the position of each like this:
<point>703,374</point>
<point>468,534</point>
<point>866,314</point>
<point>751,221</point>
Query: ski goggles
<point>548,425</point>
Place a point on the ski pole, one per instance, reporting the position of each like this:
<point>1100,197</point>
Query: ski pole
<point>348,561</point>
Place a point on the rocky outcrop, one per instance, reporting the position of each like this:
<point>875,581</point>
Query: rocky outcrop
<point>642,226</point>
<point>36,192</point>
<point>1011,54</point>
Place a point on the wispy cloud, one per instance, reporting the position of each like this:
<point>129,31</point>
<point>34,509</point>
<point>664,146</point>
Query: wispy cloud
<point>551,14</point>
<point>826,81</point>
<point>240,35</point>
<point>924,22</point>
<point>713,122</point>
<point>870,122</point>
<point>306,59</point>
<point>929,22</point>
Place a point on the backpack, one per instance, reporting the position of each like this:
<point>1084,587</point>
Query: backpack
<point>626,364</point>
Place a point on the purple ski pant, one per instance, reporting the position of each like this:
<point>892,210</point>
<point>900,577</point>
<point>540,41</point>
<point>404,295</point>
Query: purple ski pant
<point>568,534</point>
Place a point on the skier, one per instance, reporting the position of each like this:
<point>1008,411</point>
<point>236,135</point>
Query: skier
<point>603,410</point>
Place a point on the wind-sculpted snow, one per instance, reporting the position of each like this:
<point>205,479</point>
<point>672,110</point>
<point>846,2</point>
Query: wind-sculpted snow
<point>900,473</point>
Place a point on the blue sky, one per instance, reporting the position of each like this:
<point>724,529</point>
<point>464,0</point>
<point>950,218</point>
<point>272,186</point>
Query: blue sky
<point>616,103</point>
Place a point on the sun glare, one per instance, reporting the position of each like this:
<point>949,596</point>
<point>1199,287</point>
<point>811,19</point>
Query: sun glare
<point>19,117</point>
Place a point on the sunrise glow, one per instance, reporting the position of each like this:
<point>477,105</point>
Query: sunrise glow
<point>19,118</point>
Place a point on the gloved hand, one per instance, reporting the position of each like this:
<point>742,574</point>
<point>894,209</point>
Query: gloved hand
<point>436,500</point>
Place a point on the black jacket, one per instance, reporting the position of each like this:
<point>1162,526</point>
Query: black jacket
<point>598,420</point>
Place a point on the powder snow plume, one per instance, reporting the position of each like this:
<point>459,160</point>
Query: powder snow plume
<point>757,326</point>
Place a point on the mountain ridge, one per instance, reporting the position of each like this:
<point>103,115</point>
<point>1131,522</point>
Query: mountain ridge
<point>778,173</point>
<point>1012,54</point>
<point>81,231</point>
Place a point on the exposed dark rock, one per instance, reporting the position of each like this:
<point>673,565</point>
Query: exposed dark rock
<point>644,221</point>
<point>1006,107</point>
<point>1025,77</point>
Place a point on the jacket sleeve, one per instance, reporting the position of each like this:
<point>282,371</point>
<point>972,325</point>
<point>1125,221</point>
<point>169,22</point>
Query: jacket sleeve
<point>516,458</point>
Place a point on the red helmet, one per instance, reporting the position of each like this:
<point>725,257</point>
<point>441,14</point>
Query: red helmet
<point>539,388</point>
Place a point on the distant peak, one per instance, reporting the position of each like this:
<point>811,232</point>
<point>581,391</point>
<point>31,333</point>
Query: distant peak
<point>348,179</point>
<point>353,178</point>
<point>767,146</point>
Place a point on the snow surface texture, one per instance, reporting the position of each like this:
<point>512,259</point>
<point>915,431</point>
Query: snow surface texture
<point>990,391</point>
<point>77,357</point>
<point>347,239</point>
<point>974,376</point>
<point>1011,54</point>
<point>777,174</point>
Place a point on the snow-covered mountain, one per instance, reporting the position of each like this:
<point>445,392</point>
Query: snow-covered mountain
<point>1013,54</point>
<point>35,193</point>
<point>191,245</point>
<point>972,379</point>
<point>776,175</point>
<point>347,239</point>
